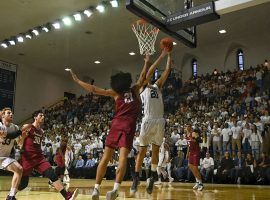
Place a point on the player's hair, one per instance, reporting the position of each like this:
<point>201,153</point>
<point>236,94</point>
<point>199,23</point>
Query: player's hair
<point>35,114</point>
<point>5,109</point>
<point>121,82</point>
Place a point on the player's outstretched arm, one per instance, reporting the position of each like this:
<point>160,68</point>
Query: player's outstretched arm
<point>91,88</point>
<point>154,66</point>
<point>140,81</point>
<point>160,82</point>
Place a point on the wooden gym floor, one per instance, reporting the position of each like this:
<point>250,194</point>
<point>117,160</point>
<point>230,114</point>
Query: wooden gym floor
<point>38,189</point>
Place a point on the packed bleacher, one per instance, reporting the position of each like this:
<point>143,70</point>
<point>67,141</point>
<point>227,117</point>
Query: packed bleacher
<point>229,109</point>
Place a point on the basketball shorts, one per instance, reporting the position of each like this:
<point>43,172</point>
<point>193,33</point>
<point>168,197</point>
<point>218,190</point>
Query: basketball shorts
<point>5,162</point>
<point>194,159</point>
<point>121,134</point>
<point>152,132</point>
<point>40,164</point>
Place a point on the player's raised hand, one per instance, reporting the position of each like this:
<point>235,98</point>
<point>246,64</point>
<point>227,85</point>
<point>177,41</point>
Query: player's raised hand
<point>147,58</point>
<point>164,52</point>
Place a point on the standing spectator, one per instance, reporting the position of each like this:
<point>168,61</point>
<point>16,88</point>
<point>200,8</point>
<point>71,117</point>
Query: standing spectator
<point>256,142</point>
<point>236,137</point>
<point>226,134</point>
<point>246,133</point>
<point>216,132</point>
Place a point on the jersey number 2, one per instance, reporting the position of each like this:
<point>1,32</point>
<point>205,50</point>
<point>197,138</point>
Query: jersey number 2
<point>154,94</point>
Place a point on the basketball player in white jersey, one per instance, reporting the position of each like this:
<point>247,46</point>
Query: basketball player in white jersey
<point>153,124</point>
<point>9,131</point>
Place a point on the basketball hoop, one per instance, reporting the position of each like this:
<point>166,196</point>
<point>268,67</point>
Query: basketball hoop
<point>146,34</point>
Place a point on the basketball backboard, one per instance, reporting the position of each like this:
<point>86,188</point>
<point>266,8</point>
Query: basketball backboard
<point>166,14</point>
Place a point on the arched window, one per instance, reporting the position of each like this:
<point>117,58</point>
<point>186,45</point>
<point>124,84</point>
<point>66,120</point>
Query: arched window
<point>194,66</point>
<point>240,59</point>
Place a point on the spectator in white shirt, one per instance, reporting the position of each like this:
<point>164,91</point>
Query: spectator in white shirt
<point>181,144</point>
<point>246,133</point>
<point>236,137</point>
<point>216,132</point>
<point>226,134</point>
<point>256,142</point>
<point>207,167</point>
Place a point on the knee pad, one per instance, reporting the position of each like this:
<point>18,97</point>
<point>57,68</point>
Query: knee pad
<point>50,174</point>
<point>23,183</point>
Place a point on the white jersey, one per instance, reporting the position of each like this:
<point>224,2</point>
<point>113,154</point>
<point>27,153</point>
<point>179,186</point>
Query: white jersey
<point>152,102</point>
<point>6,145</point>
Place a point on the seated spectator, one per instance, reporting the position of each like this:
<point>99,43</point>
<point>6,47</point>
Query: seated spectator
<point>177,163</point>
<point>79,167</point>
<point>224,173</point>
<point>88,167</point>
<point>207,167</point>
<point>147,164</point>
<point>262,167</point>
<point>239,162</point>
<point>249,168</point>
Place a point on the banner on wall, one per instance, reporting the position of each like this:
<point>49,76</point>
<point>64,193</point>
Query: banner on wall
<point>7,84</point>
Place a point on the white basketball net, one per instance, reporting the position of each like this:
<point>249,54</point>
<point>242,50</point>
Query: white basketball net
<point>146,34</point>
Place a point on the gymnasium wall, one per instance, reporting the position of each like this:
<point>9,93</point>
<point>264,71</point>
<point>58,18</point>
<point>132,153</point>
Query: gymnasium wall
<point>36,88</point>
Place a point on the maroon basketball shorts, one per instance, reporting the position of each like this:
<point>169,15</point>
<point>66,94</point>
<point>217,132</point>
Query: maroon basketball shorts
<point>121,134</point>
<point>194,159</point>
<point>40,164</point>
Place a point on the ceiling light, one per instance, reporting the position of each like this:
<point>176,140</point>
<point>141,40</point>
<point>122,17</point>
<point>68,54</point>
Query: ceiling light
<point>56,25</point>
<point>174,43</point>
<point>87,12</point>
<point>20,38</point>
<point>77,17</point>
<point>4,45</point>
<point>67,21</point>
<point>28,36</point>
<point>12,42</point>
<point>222,31</point>
<point>100,8</point>
<point>131,53</point>
<point>45,29</point>
<point>114,3</point>
<point>97,62</point>
<point>35,32</point>
<point>68,69</point>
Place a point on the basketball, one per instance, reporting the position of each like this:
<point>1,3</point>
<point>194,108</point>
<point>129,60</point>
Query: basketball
<point>166,43</point>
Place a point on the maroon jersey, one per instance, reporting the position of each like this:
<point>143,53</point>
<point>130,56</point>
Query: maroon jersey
<point>59,160</point>
<point>32,143</point>
<point>127,109</point>
<point>194,147</point>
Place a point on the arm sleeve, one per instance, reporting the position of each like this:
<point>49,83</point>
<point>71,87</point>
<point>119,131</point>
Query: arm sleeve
<point>14,134</point>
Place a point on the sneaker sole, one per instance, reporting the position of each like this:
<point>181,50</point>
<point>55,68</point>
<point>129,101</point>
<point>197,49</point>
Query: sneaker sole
<point>75,194</point>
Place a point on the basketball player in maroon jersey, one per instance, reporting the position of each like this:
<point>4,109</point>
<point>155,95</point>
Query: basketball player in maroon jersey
<point>32,158</point>
<point>193,154</point>
<point>128,107</point>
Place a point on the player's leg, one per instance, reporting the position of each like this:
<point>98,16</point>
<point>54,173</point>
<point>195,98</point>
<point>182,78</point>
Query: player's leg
<point>154,165</point>
<point>195,171</point>
<point>169,165</point>
<point>101,170</point>
<point>120,173</point>
<point>138,166</point>
<point>17,170</point>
